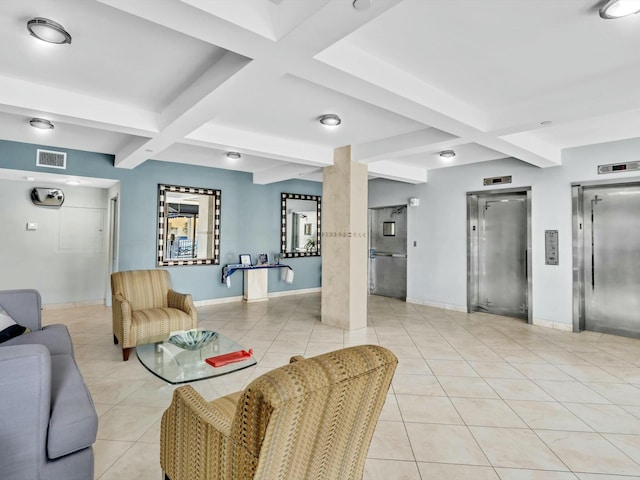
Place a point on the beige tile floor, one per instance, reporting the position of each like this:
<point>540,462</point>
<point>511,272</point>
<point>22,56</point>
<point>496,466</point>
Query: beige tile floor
<point>474,396</point>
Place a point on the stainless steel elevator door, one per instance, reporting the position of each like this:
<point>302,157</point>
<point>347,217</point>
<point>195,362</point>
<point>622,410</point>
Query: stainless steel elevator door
<point>388,251</point>
<point>502,255</point>
<point>612,260</point>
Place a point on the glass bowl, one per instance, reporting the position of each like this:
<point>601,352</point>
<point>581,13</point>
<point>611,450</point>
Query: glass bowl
<point>193,339</point>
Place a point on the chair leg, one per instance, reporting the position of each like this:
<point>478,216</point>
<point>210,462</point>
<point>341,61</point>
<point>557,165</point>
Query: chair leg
<point>125,354</point>
<point>115,340</point>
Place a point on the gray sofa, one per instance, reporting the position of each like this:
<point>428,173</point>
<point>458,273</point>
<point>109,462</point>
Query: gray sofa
<point>48,422</point>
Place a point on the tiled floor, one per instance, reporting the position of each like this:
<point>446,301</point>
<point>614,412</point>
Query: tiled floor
<point>474,396</point>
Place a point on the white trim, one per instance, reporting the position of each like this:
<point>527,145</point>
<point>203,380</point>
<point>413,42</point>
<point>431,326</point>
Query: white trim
<point>217,301</point>
<point>443,306</point>
<point>567,327</point>
<point>62,306</point>
<point>302,291</point>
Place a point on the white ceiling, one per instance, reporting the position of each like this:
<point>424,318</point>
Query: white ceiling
<point>187,80</point>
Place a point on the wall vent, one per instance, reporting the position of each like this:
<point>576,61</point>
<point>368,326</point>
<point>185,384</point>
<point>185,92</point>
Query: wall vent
<point>51,159</point>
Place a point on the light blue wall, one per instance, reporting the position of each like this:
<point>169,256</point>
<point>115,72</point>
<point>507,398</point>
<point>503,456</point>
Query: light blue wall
<point>437,267</point>
<point>250,221</point>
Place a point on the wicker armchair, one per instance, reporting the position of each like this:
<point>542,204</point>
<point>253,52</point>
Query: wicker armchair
<point>145,309</point>
<point>311,419</point>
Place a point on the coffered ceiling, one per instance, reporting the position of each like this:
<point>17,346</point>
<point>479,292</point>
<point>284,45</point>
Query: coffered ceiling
<point>188,80</point>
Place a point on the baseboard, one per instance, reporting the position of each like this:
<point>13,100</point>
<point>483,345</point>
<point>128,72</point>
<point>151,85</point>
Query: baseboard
<point>567,327</point>
<point>302,291</point>
<point>218,301</point>
<point>443,306</point>
<point>62,306</point>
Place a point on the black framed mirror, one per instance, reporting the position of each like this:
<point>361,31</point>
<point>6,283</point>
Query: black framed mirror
<point>188,226</point>
<point>300,225</point>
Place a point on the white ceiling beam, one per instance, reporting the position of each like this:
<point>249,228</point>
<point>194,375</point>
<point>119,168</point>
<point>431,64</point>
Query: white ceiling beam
<point>282,173</point>
<point>259,144</point>
<point>21,97</point>
<point>192,108</point>
<point>191,21</point>
<point>400,173</point>
<point>401,145</point>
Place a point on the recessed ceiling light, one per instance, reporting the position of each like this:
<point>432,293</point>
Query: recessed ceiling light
<point>234,155</point>
<point>546,122</point>
<point>361,4</point>
<point>619,8</point>
<point>48,31</point>
<point>41,123</point>
<point>330,120</point>
<point>447,154</point>
<point>73,182</point>
<point>30,179</point>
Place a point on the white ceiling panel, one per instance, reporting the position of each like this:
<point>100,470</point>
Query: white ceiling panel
<point>187,80</point>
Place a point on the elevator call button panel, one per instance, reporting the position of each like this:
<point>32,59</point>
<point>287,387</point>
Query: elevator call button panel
<point>551,247</point>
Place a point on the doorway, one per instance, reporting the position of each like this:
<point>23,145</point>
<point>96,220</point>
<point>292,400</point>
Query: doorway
<point>606,255</point>
<point>388,251</point>
<point>498,252</point>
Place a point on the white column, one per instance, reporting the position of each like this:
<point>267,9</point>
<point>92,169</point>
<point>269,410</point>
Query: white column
<point>344,242</point>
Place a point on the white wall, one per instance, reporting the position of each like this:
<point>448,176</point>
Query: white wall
<point>437,267</point>
<point>65,257</point>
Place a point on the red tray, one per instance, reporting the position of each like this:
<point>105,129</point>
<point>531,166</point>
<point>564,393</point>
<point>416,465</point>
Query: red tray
<point>221,360</point>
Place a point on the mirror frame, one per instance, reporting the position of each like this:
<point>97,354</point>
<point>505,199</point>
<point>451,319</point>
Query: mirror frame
<point>283,224</point>
<point>217,194</point>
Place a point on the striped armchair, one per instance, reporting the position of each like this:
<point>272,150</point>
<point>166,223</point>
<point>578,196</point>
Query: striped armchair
<point>145,309</point>
<point>311,419</point>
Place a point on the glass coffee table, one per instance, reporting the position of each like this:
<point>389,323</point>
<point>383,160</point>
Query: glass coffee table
<point>178,365</point>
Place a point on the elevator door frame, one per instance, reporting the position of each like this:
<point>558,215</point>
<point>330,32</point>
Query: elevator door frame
<point>473,245</point>
<point>577,221</point>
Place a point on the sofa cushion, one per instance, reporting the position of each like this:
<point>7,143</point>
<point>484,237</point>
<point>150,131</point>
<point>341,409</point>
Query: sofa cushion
<point>55,337</point>
<point>73,424</point>
<point>9,328</point>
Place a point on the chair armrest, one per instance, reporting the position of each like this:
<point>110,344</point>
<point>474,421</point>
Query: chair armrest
<point>184,302</point>
<point>24,306</point>
<point>121,317</point>
<point>196,442</point>
<point>25,402</point>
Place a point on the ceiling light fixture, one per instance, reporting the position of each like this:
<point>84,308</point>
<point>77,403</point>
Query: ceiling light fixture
<point>330,120</point>
<point>361,4</point>
<point>613,9</point>
<point>73,182</point>
<point>546,122</point>
<point>48,31</point>
<point>447,154</point>
<point>41,123</point>
<point>234,156</point>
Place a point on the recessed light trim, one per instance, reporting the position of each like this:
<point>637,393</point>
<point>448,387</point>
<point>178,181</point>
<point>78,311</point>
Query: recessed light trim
<point>447,154</point>
<point>73,182</point>
<point>613,9</point>
<point>330,120</point>
<point>41,123</point>
<point>48,31</point>
<point>546,122</point>
<point>361,4</point>
<point>234,155</point>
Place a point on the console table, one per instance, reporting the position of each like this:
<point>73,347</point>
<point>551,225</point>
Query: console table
<point>255,279</point>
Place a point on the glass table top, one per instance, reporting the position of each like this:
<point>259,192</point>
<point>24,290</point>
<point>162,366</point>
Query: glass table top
<point>176,365</point>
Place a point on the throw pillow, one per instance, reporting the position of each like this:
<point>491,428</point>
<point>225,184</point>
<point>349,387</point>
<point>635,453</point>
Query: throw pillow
<point>8,327</point>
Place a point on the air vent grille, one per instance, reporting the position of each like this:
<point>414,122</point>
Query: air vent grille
<point>51,159</point>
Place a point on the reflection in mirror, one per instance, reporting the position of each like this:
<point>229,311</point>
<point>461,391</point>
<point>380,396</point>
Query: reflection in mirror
<point>188,226</point>
<point>300,225</point>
